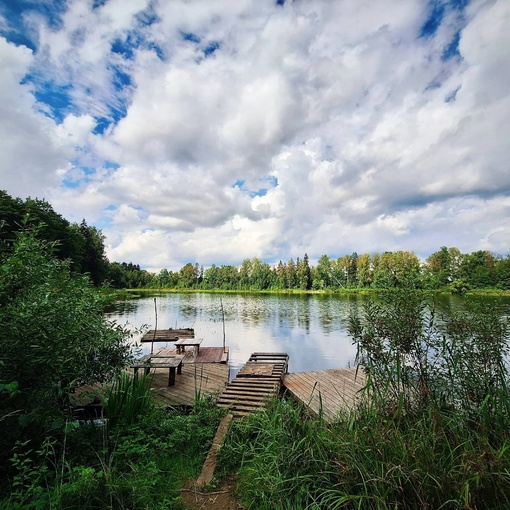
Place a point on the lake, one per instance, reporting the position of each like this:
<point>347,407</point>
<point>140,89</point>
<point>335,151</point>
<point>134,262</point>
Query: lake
<point>312,329</point>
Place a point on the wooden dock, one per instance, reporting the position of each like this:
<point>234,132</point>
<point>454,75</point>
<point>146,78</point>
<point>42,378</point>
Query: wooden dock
<point>194,380</point>
<point>325,391</point>
<point>257,381</point>
<point>205,373</point>
<point>167,335</point>
<point>205,355</point>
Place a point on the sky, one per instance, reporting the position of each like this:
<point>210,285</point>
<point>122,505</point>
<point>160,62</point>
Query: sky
<point>213,131</point>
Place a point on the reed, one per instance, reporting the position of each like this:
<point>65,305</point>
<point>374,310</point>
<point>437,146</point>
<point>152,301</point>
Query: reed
<point>128,398</point>
<point>432,430</point>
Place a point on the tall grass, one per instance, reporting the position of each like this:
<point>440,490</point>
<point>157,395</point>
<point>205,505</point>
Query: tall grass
<point>432,430</point>
<point>128,398</point>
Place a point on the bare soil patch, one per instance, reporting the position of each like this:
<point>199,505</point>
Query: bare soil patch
<point>219,498</point>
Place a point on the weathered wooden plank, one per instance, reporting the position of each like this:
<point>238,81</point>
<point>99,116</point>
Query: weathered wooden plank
<point>167,335</point>
<point>205,355</point>
<point>256,369</point>
<point>207,473</point>
<point>326,391</point>
<point>257,381</point>
<point>235,399</point>
<point>235,407</point>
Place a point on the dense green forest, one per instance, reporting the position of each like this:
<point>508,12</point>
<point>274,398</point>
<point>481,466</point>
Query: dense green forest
<point>446,269</point>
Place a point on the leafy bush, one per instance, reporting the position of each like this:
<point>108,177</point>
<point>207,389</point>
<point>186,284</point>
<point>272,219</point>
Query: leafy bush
<point>53,338</point>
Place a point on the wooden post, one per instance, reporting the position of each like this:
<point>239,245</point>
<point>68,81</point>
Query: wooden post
<point>171,376</point>
<point>223,317</point>
<point>155,327</point>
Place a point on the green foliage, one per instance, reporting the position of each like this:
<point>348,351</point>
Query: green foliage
<point>82,245</point>
<point>432,429</point>
<point>281,454</point>
<point>133,466</point>
<point>54,337</point>
<point>128,398</point>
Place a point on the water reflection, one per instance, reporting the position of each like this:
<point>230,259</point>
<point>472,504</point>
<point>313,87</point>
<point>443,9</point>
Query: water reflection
<point>312,329</point>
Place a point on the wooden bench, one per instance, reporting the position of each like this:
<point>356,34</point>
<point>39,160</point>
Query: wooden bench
<point>172,362</point>
<point>182,343</point>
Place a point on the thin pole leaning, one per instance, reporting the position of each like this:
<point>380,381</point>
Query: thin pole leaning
<point>155,327</point>
<point>223,320</point>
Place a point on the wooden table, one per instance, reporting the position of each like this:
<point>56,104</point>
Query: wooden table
<point>172,362</point>
<point>182,343</point>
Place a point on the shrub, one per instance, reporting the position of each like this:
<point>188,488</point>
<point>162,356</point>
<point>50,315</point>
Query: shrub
<point>53,338</point>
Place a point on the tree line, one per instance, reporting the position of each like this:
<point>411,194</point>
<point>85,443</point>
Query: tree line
<point>83,245</point>
<point>446,269</point>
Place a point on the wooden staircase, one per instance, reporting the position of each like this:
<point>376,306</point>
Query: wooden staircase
<point>257,381</point>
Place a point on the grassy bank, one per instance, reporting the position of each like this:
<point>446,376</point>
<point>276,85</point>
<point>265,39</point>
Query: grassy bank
<point>138,459</point>
<point>133,293</point>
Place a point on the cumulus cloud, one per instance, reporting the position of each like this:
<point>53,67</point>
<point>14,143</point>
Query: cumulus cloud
<point>191,132</point>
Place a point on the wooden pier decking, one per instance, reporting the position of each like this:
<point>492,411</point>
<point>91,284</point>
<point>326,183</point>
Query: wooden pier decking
<point>195,379</point>
<point>167,335</point>
<point>205,373</point>
<point>325,391</point>
<point>205,355</point>
<point>257,381</point>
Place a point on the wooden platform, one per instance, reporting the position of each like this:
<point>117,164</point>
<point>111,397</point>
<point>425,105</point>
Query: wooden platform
<point>202,378</point>
<point>329,390</point>
<point>208,373</point>
<point>167,335</point>
<point>257,381</point>
<point>205,355</point>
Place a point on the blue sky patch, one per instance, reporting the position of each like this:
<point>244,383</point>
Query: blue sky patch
<point>56,97</point>
<point>98,3</point>
<point>126,48</point>
<point>148,17</point>
<point>211,48</point>
<point>123,48</point>
<point>121,79</point>
<point>14,10</point>
<point>435,17</point>
<point>111,164</point>
<point>101,125</point>
<point>269,182</point>
<point>436,12</point>
<point>452,49</point>
<point>191,37</point>
<point>70,182</point>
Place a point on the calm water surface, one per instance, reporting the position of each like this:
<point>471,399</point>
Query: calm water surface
<point>310,328</point>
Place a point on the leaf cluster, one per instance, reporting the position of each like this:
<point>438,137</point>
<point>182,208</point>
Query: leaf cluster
<point>53,337</point>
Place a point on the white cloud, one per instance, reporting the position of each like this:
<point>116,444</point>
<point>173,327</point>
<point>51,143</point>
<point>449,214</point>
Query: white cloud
<point>31,160</point>
<point>363,137</point>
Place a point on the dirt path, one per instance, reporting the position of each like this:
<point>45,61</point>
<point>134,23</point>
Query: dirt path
<point>220,498</point>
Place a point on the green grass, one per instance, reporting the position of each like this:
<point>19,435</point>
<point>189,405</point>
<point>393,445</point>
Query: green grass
<point>138,461</point>
<point>432,430</point>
